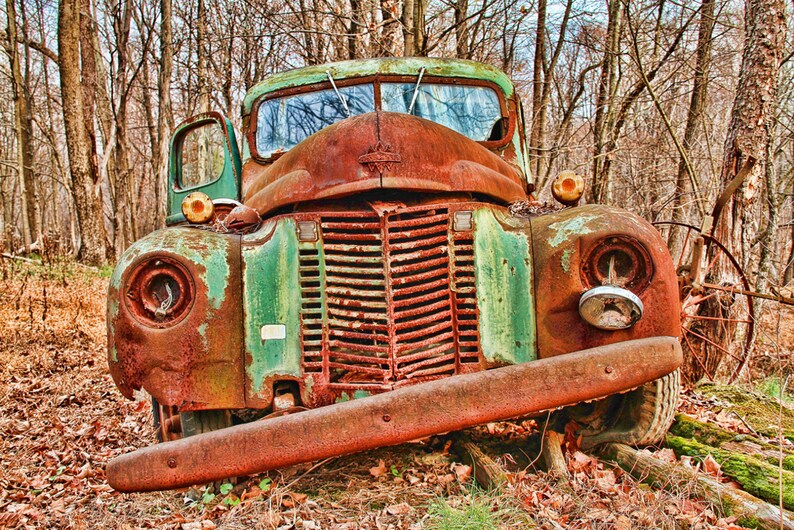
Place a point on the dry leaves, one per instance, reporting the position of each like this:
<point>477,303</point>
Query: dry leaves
<point>62,419</point>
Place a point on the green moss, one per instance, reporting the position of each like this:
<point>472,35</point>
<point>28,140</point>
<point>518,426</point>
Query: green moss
<point>748,521</point>
<point>757,477</point>
<point>758,410</point>
<point>707,434</point>
<point>687,427</point>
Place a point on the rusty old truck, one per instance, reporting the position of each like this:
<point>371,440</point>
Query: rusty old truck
<point>354,276</point>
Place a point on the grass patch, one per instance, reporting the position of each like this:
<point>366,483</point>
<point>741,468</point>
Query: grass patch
<point>771,386</point>
<point>479,510</point>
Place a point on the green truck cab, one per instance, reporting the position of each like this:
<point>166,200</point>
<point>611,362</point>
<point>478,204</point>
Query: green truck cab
<point>355,277</point>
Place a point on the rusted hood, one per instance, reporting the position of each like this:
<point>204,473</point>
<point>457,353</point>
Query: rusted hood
<point>380,150</point>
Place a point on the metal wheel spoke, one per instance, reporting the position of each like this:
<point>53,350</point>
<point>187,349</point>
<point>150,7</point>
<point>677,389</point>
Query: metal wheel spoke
<point>726,352</point>
<point>697,357</point>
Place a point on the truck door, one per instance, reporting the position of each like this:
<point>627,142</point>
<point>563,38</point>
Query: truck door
<point>204,157</point>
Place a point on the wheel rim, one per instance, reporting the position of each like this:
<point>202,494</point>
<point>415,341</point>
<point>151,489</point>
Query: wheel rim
<point>170,423</point>
<point>717,320</point>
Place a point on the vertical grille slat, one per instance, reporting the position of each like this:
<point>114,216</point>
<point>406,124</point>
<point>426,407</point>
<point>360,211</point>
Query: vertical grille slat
<point>388,297</point>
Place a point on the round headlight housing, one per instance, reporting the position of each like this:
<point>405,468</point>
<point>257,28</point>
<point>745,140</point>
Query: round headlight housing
<point>618,261</point>
<point>159,292</point>
<point>610,308</point>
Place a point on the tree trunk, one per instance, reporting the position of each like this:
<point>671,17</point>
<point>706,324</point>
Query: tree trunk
<point>123,214</point>
<point>753,112</point>
<point>697,104</point>
<point>605,103</point>
<point>408,27</point>
<point>420,37</point>
<point>461,8</point>
<point>83,171</point>
<point>353,36</point>
<point>677,478</point>
<point>31,230</point>
<point>201,45</point>
<point>537,90</point>
<point>165,118</point>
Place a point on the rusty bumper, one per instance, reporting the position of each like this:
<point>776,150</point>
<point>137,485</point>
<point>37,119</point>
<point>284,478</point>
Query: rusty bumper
<point>397,416</point>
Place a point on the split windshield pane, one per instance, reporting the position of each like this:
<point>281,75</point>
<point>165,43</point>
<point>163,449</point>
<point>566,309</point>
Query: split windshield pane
<point>470,110</point>
<point>285,122</point>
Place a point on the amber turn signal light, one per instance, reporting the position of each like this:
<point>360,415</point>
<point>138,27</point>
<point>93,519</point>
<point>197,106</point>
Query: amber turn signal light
<point>568,188</point>
<point>197,207</point>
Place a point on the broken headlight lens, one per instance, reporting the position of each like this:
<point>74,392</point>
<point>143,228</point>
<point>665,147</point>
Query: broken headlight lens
<point>618,261</point>
<point>610,308</point>
<point>159,292</point>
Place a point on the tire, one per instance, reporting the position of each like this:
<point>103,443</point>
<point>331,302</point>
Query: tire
<point>202,421</point>
<point>639,417</point>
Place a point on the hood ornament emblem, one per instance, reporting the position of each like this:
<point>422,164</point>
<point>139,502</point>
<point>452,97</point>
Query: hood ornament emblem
<point>380,157</point>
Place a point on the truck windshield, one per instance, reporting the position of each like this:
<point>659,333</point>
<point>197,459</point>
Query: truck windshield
<point>283,123</point>
<point>470,110</point>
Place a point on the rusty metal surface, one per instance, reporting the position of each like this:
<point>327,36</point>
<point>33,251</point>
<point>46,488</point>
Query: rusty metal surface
<point>561,243</point>
<point>432,158</point>
<point>193,360</point>
<point>388,299</point>
<point>395,417</point>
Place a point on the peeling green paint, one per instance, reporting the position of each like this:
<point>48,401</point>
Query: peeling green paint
<point>271,295</point>
<point>565,259</point>
<point>211,252</point>
<point>503,274</point>
<point>575,226</point>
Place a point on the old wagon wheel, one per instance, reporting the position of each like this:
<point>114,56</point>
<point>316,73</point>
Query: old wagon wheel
<point>717,316</point>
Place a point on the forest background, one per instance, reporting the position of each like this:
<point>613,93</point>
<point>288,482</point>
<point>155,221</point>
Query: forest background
<point>657,103</point>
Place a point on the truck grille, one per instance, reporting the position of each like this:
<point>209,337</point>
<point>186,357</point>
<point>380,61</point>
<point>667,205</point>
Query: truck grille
<point>399,296</point>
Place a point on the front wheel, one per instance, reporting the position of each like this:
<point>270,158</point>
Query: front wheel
<point>639,417</point>
<point>170,424</point>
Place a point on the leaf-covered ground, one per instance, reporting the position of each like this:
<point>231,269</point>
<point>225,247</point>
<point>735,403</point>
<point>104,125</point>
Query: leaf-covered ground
<point>61,420</point>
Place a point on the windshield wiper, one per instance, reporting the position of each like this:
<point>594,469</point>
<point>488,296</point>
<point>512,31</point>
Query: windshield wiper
<point>416,91</point>
<point>344,103</point>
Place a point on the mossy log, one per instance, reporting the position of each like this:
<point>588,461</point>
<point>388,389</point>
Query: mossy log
<point>763,413</point>
<point>754,475</point>
<point>676,478</point>
<point>714,436</point>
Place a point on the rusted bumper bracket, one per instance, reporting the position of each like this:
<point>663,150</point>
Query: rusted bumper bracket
<point>397,416</point>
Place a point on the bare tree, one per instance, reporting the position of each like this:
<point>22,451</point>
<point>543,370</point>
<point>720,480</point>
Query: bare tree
<point>83,172</point>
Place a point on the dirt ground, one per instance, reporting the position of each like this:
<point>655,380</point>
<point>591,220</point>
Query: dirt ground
<point>62,419</point>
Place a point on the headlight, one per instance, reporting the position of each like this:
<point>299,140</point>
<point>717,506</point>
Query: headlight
<point>609,307</point>
<point>618,261</point>
<point>159,292</point>
<point>198,207</point>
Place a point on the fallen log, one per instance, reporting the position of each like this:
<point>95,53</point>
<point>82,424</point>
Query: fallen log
<point>676,478</point>
<point>552,455</point>
<point>714,436</point>
<point>487,472</point>
<point>756,476</point>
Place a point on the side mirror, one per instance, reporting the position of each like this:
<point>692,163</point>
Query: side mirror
<point>204,157</point>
